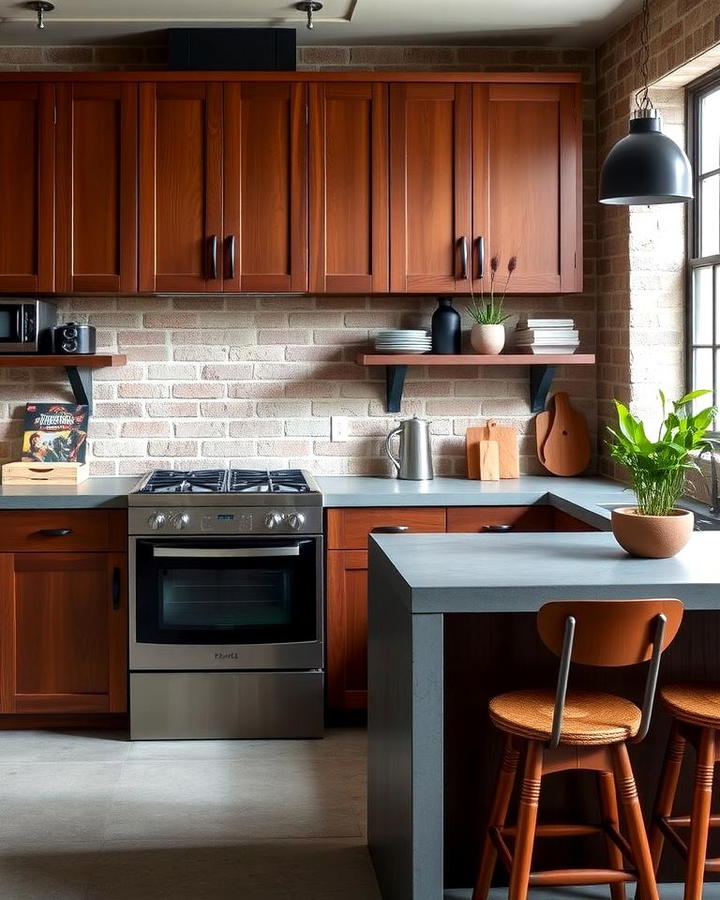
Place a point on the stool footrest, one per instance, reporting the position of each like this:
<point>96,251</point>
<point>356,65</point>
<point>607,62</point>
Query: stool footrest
<point>570,877</point>
<point>559,830</point>
<point>685,821</point>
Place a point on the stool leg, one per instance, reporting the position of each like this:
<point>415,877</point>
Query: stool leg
<point>627,791</point>
<point>609,810</point>
<point>527,820</point>
<point>498,814</point>
<point>700,816</point>
<point>667,789</point>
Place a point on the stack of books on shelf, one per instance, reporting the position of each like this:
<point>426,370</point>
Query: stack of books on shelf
<point>546,336</point>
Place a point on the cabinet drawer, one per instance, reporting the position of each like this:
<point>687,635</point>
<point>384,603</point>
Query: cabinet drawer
<point>486,518</point>
<point>62,529</point>
<point>348,529</point>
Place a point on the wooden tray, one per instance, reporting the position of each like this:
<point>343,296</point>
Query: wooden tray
<point>44,473</point>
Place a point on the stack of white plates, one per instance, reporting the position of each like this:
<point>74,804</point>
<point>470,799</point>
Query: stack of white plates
<point>403,340</point>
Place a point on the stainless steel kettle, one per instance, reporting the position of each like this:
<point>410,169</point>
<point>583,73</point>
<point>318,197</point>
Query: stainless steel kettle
<point>414,462</point>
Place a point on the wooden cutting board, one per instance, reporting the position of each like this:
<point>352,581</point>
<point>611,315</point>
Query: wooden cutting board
<point>566,447</point>
<point>472,449</point>
<point>508,452</point>
<point>489,457</point>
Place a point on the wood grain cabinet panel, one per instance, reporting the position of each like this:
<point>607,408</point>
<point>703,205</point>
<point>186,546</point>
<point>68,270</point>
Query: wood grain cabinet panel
<point>63,633</point>
<point>27,187</point>
<point>96,214</point>
<point>348,188</point>
<point>347,610</point>
<point>488,518</point>
<point>348,529</point>
<point>527,194</point>
<point>181,186</point>
<point>430,187</point>
<point>63,530</point>
<point>265,201</point>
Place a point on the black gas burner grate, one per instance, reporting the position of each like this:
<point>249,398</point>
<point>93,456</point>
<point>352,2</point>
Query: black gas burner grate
<point>234,481</point>
<point>274,481</point>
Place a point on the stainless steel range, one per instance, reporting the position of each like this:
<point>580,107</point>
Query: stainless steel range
<point>226,622</point>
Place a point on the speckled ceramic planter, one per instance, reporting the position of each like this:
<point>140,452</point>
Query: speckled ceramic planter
<point>488,340</point>
<point>652,537</point>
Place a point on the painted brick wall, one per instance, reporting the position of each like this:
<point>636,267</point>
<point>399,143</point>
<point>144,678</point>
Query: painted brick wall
<point>640,260</point>
<point>254,380</point>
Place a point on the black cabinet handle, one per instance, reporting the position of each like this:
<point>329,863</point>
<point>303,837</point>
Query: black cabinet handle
<point>390,529</point>
<point>498,528</point>
<point>116,588</point>
<point>55,532</point>
<point>481,256</point>
<point>463,244</point>
<point>213,256</point>
<point>231,255</point>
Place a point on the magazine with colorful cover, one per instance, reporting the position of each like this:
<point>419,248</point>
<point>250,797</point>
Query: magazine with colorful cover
<point>55,432</point>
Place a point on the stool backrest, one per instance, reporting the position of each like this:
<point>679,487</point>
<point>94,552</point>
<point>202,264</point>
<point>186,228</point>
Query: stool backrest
<point>609,632</point>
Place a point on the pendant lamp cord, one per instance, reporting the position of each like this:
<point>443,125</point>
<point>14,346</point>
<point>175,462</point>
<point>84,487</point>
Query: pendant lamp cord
<point>642,97</point>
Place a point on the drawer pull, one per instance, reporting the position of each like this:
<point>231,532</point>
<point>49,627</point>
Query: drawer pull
<point>390,529</point>
<point>497,528</point>
<point>116,588</point>
<point>55,532</point>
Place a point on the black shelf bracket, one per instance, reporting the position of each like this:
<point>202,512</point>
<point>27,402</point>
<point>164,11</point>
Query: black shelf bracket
<point>395,379</point>
<point>541,379</point>
<point>81,382</point>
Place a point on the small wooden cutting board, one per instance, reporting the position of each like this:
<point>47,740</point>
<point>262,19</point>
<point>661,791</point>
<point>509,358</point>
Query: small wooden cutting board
<point>566,448</point>
<point>507,441</point>
<point>489,459</point>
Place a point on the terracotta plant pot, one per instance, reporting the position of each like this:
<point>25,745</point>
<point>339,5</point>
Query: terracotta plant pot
<point>487,340</point>
<point>652,537</point>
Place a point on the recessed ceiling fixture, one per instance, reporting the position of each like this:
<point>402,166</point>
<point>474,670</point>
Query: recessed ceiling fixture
<point>646,167</point>
<point>40,7</point>
<point>310,7</point>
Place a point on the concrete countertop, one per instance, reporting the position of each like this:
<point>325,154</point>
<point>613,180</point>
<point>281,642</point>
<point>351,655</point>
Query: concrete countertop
<point>91,494</point>
<point>449,573</point>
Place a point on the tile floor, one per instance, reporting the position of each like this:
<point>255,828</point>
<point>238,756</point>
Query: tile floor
<point>91,816</point>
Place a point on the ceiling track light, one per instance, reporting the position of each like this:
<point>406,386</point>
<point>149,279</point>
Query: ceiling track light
<point>645,167</point>
<point>309,7</point>
<point>40,7</point>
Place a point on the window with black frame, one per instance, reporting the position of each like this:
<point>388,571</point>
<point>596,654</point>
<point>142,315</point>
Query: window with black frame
<point>704,239</point>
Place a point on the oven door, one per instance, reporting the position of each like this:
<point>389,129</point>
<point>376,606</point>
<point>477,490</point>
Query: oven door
<point>14,316</point>
<point>239,603</point>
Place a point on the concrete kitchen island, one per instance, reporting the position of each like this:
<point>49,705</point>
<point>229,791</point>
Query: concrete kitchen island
<point>451,622</point>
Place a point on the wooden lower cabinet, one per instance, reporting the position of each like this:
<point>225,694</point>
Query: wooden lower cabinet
<point>347,582</point>
<point>63,629</point>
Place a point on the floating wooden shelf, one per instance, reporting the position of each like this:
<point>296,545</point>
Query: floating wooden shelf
<point>542,369</point>
<point>79,368</point>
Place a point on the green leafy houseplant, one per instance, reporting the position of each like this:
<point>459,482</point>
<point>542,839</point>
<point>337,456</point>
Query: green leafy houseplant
<point>658,469</point>
<point>491,312</point>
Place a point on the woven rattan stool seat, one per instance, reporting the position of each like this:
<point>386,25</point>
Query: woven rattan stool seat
<point>698,704</point>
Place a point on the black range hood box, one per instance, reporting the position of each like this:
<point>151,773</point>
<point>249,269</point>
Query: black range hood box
<point>232,49</point>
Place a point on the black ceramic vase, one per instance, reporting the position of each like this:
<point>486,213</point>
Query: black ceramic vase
<point>446,331</point>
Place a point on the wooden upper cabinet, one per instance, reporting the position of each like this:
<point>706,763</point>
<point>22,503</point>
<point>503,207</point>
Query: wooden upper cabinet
<point>27,187</point>
<point>527,170</point>
<point>181,186</point>
<point>265,197</point>
<point>430,187</point>
<point>349,188</point>
<point>96,215</point>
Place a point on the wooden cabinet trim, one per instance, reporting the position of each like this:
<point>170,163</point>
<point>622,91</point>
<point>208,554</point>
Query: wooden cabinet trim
<point>379,76</point>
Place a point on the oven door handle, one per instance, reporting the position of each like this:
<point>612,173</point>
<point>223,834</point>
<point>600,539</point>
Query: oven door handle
<point>224,552</point>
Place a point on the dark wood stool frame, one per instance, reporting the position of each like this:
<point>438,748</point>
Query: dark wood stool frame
<point>596,633</point>
<point>705,740</point>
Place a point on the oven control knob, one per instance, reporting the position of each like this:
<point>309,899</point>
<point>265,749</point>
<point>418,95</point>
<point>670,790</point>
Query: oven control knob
<point>181,520</point>
<point>272,520</point>
<point>157,520</point>
<point>296,521</point>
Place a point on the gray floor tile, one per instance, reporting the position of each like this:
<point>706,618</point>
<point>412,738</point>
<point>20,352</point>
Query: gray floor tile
<point>53,876</point>
<point>54,746</point>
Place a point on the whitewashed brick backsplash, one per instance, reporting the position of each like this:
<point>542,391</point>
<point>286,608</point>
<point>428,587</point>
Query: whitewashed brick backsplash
<point>253,381</point>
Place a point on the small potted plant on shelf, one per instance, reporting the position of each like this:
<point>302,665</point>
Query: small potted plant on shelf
<point>655,528</point>
<point>487,335</point>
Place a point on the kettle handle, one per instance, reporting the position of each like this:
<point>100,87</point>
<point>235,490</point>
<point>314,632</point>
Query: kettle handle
<point>394,459</point>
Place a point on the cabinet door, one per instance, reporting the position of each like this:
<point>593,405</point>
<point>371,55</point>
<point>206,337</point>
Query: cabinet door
<point>430,187</point>
<point>265,199</point>
<point>499,518</point>
<point>527,175</point>
<point>27,185</point>
<point>181,187</point>
<point>347,581</point>
<point>96,217</point>
<point>348,188</point>
<point>63,632</point>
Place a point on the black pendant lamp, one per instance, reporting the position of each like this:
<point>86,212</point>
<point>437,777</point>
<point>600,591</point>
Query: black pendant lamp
<point>646,167</point>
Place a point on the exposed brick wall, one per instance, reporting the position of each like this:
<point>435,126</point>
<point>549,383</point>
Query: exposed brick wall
<point>641,251</point>
<point>254,380</point>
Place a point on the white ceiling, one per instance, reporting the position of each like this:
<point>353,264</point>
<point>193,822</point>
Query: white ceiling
<point>540,22</point>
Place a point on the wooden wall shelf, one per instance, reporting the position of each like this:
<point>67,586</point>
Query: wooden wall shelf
<point>542,369</point>
<point>79,368</point>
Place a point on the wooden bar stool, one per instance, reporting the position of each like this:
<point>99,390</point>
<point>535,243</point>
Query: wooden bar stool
<point>562,731</point>
<point>696,720</point>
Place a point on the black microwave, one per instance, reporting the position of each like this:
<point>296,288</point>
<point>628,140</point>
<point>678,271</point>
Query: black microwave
<point>26,326</point>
